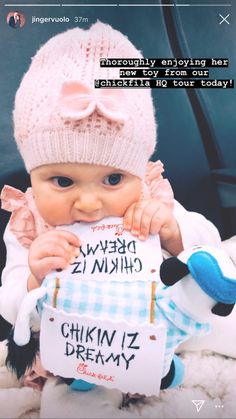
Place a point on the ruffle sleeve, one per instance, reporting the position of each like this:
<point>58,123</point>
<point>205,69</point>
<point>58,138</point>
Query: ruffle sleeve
<point>25,222</point>
<point>155,186</point>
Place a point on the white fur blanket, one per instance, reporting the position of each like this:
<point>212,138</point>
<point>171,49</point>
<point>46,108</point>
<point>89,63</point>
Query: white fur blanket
<point>209,376</point>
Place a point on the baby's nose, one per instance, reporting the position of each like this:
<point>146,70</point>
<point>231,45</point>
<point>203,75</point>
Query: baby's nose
<point>88,202</point>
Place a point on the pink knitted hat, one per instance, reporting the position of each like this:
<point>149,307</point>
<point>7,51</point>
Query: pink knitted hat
<point>59,116</point>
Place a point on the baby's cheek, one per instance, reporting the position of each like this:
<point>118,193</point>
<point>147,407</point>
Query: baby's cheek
<point>135,194</point>
<point>128,202</point>
<point>144,191</point>
<point>50,213</point>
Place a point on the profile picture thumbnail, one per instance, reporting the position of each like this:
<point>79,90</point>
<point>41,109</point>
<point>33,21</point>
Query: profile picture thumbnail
<point>15,19</point>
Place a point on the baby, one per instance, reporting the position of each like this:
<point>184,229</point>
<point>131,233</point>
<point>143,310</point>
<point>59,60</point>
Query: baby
<point>87,152</point>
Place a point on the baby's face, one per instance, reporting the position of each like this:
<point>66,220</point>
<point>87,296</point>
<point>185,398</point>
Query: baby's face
<point>68,192</point>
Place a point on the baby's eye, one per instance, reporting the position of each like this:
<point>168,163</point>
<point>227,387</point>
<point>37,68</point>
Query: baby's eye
<point>113,179</point>
<point>63,182</point>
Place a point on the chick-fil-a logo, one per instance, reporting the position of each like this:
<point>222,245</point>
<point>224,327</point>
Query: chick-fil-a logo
<point>119,229</point>
<point>82,369</point>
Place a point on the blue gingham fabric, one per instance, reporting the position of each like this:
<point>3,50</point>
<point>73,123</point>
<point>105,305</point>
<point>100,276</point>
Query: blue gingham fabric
<point>125,301</point>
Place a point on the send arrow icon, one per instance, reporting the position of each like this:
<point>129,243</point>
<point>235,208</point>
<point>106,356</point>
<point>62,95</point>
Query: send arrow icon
<point>198,404</point>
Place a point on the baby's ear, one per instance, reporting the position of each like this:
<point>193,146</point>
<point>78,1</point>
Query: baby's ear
<point>222,309</point>
<point>172,270</point>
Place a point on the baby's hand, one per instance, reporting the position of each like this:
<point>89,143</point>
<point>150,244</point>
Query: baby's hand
<point>52,250</point>
<point>153,216</point>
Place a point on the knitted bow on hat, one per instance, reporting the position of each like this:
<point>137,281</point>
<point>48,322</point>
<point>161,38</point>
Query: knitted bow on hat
<point>78,101</point>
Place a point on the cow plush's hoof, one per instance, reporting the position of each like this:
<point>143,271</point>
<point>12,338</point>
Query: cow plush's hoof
<point>175,375</point>
<point>179,372</point>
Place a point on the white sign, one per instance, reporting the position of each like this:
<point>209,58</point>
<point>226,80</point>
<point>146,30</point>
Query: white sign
<point>113,354</point>
<point>110,252</point>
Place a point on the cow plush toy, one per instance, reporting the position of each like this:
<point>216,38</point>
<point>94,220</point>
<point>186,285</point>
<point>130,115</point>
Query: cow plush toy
<point>199,283</point>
